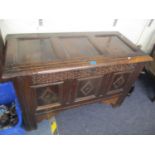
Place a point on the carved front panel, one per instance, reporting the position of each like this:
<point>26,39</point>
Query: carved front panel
<point>47,95</point>
<point>118,82</point>
<point>87,88</point>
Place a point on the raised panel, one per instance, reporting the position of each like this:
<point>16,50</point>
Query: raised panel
<point>88,88</point>
<point>49,94</point>
<point>118,82</point>
<point>35,50</point>
<point>112,45</point>
<point>78,46</point>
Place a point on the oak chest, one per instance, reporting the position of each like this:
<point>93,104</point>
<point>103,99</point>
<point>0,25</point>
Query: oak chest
<point>54,72</point>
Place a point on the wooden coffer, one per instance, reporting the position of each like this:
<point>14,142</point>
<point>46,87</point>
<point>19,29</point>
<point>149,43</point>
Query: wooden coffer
<point>54,72</point>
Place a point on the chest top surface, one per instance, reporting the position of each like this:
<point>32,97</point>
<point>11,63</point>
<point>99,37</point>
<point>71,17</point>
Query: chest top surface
<point>25,52</point>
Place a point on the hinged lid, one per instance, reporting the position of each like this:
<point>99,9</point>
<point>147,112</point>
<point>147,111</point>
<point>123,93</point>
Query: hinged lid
<point>27,53</point>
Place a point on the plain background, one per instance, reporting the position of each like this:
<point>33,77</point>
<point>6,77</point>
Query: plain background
<point>139,31</point>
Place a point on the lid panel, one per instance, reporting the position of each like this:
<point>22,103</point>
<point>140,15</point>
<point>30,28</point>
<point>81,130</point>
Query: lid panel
<point>78,47</point>
<point>32,50</point>
<point>35,50</point>
<point>113,46</point>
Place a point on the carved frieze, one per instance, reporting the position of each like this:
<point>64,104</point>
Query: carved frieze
<point>79,73</point>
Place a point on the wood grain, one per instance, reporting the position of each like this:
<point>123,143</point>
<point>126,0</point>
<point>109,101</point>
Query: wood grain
<point>29,54</point>
<point>58,71</point>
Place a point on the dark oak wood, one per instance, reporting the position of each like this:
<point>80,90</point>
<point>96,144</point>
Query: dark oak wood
<point>54,72</point>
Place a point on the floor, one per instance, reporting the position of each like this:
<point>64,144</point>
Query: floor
<point>135,116</point>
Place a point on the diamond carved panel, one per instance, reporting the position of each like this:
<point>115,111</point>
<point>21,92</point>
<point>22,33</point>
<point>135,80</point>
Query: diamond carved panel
<point>119,81</point>
<point>47,95</point>
<point>88,87</point>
